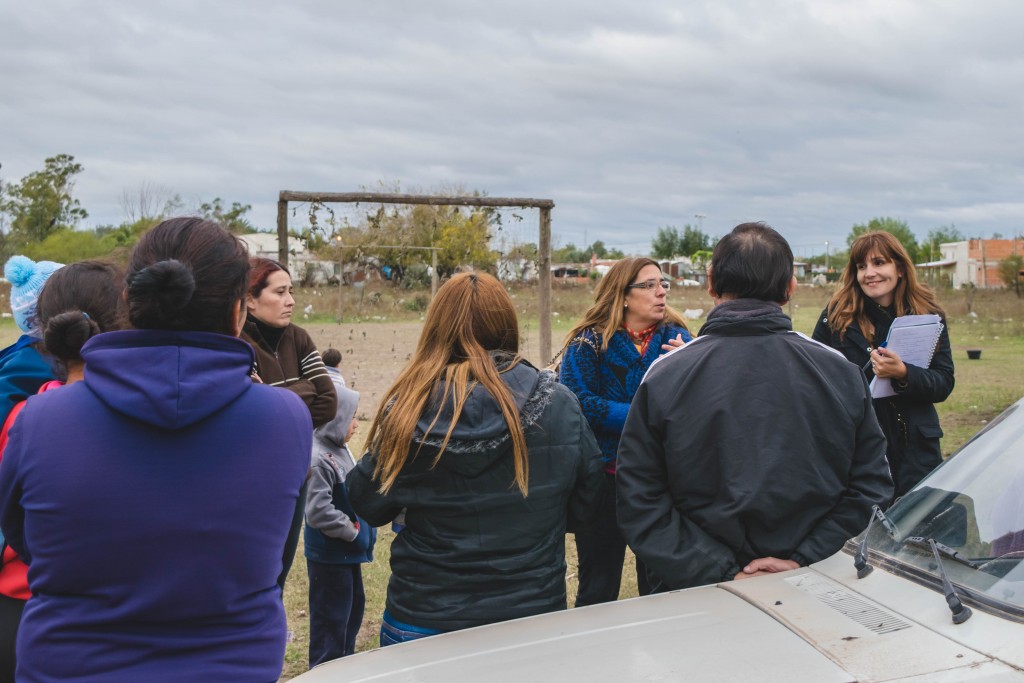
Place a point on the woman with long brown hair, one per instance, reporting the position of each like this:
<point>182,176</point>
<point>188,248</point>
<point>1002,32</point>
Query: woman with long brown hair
<point>604,359</point>
<point>489,459</point>
<point>880,284</point>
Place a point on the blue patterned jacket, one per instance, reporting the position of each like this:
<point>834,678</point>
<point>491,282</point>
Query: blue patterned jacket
<point>606,380</point>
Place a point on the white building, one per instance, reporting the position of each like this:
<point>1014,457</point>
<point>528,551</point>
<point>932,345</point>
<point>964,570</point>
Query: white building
<point>302,264</point>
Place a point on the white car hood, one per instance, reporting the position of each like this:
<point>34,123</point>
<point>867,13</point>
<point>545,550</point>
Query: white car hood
<point>698,634</point>
<point>804,625</point>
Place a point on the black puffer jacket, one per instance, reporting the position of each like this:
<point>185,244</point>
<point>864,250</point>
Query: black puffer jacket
<point>751,441</point>
<point>908,419</point>
<point>474,550</point>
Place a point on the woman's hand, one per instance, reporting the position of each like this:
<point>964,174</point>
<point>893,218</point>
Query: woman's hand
<point>674,343</point>
<point>887,365</point>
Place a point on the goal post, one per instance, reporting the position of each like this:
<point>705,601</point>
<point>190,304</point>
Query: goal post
<point>543,206</point>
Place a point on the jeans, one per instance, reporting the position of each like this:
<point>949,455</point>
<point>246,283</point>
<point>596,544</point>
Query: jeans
<point>393,631</point>
<point>336,604</point>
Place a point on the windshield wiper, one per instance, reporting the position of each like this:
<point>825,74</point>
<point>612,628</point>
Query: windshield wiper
<point>961,612</point>
<point>943,550</point>
<point>860,558</point>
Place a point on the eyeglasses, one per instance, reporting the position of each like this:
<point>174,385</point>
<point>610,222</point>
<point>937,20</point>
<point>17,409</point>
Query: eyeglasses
<point>651,284</point>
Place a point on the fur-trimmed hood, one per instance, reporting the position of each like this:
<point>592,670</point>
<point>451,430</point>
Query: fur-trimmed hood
<point>481,428</point>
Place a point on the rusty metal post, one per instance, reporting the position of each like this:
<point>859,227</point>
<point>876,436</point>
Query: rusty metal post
<point>282,232</point>
<point>544,286</point>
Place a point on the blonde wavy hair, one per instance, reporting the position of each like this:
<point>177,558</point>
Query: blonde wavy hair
<point>605,316</point>
<point>471,316</point>
<point>911,297</point>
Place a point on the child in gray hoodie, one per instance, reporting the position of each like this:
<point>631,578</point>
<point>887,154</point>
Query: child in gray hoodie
<point>336,543</point>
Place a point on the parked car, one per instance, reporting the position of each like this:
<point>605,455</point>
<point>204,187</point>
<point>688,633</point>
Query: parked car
<point>932,591</point>
<point>687,282</point>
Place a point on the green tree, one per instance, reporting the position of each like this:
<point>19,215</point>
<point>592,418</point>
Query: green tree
<point>1010,272</point>
<point>570,253</point>
<point>464,240</point>
<point>42,203</point>
<point>669,242</point>
<point>937,237</point>
<point>233,219</point>
<point>666,243</point>
<point>693,240</point>
<point>701,258</point>
<point>899,229</point>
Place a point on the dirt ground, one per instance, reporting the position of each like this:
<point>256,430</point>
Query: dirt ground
<point>374,353</point>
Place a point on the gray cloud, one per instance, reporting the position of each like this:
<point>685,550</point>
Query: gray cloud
<point>811,115</point>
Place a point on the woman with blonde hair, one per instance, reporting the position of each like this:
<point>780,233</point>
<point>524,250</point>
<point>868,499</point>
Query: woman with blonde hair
<point>489,459</point>
<point>603,361</point>
<point>880,284</point>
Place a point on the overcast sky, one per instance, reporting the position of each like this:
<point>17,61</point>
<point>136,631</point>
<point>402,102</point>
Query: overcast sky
<point>631,115</point>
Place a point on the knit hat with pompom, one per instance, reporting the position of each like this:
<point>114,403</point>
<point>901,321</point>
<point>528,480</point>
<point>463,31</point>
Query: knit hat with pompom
<point>27,278</point>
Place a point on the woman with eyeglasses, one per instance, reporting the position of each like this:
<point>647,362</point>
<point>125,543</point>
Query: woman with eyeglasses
<point>604,358</point>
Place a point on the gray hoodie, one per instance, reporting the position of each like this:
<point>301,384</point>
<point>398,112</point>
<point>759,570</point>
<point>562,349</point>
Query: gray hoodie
<point>332,461</point>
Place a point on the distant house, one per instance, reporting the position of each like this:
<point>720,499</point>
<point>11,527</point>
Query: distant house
<point>677,268</point>
<point>303,265</point>
<point>970,262</point>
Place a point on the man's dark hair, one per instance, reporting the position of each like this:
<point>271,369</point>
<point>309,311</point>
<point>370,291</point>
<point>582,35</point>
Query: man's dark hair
<point>752,262</point>
<point>332,358</point>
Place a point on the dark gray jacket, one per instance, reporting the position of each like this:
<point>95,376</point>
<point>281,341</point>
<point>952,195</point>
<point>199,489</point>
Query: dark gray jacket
<point>752,441</point>
<point>474,550</point>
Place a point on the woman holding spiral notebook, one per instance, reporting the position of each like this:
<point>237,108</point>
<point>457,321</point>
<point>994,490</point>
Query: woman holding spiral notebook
<point>879,284</point>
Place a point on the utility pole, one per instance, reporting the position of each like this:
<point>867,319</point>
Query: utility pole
<point>826,257</point>
<point>700,221</point>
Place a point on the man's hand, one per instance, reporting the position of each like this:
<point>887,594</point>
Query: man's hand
<point>765,565</point>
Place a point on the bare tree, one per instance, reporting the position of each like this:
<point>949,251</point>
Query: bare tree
<point>148,200</point>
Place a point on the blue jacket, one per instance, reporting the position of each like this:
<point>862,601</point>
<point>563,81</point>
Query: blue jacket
<point>151,501</point>
<point>22,371</point>
<point>606,380</point>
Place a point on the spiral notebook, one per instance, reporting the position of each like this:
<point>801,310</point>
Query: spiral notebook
<point>913,338</point>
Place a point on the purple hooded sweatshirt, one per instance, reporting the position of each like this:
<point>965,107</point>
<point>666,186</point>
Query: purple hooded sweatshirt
<point>152,501</point>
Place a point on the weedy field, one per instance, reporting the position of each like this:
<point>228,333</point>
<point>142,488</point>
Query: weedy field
<point>380,327</point>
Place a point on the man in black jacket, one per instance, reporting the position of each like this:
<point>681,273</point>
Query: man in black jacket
<point>753,449</point>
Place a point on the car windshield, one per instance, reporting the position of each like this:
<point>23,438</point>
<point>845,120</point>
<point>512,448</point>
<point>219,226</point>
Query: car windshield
<point>974,506</point>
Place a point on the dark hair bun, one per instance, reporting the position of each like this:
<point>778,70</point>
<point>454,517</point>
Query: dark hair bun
<point>160,293</point>
<point>66,334</point>
<point>332,358</point>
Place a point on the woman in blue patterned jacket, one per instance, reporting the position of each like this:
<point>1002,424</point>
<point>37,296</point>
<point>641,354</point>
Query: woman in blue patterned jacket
<point>604,359</point>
